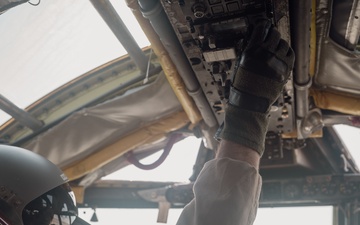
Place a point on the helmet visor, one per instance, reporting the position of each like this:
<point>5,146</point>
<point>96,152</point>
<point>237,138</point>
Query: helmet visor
<point>65,210</point>
<point>56,207</point>
<point>63,219</point>
<point>67,220</point>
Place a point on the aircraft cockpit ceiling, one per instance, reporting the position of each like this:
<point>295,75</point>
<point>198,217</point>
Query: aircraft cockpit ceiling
<point>138,104</point>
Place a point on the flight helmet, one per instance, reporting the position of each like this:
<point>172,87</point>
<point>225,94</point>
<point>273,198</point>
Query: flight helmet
<point>34,191</point>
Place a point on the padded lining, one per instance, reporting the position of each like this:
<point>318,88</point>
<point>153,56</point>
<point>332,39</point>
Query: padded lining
<point>343,23</point>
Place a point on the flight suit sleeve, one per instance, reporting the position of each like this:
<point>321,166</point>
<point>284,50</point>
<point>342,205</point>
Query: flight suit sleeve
<point>226,192</point>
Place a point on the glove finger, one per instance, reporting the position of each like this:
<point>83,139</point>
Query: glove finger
<point>259,34</point>
<point>282,48</point>
<point>272,40</point>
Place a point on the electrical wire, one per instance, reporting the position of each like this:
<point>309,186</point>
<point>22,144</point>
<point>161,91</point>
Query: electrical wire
<point>130,156</point>
<point>148,68</point>
<point>34,4</point>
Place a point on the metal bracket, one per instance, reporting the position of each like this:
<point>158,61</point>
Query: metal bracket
<point>310,123</point>
<point>158,195</point>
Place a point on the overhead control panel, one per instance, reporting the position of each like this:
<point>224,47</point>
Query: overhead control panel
<point>213,33</point>
<point>218,26</point>
<point>312,190</point>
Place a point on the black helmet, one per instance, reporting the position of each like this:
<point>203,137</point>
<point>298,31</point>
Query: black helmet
<point>33,190</point>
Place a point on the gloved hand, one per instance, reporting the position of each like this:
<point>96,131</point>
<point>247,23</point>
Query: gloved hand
<point>265,67</point>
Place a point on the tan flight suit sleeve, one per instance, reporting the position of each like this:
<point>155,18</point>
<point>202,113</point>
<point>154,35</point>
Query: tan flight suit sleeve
<point>226,193</point>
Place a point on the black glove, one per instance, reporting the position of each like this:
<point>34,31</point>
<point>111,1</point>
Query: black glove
<point>265,67</point>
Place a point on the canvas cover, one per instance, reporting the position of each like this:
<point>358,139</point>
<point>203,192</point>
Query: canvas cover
<point>90,129</point>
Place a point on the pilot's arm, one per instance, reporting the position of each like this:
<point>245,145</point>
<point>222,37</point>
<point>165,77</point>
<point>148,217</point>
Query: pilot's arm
<point>228,188</point>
